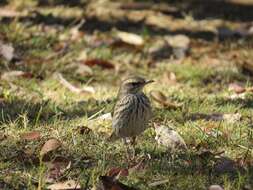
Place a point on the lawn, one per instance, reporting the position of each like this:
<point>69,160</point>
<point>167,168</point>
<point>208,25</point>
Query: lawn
<point>64,73</point>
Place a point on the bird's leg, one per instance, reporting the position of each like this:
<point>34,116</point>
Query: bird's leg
<point>133,143</point>
<point>127,150</point>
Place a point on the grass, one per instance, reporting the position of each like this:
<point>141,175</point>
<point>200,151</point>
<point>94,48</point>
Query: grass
<point>42,104</point>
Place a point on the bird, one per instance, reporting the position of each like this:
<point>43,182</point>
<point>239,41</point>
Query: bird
<point>132,111</point>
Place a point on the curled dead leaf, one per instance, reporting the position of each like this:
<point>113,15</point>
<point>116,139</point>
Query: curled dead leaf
<point>169,138</point>
<point>14,74</point>
<point>113,172</point>
<point>162,99</point>
<point>236,87</point>
<point>130,38</point>
<point>169,77</point>
<point>56,168</point>
<point>99,62</point>
<point>50,145</point>
<point>110,183</point>
<point>33,135</point>
<point>66,185</point>
<point>140,166</point>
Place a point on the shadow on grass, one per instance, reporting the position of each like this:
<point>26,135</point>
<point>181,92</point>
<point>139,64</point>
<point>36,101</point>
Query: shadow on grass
<point>46,111</point>
<point>72,3</point>
<point>204,9</point>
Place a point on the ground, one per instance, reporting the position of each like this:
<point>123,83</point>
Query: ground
<point>209,90</point>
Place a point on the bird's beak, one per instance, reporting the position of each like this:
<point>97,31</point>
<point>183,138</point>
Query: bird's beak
<point>149,81</point>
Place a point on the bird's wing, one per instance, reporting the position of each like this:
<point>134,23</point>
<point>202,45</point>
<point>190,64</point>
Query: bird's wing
<point>124,108</point>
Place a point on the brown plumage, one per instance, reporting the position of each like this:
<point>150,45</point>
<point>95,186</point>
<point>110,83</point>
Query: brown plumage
<point>132,110</point>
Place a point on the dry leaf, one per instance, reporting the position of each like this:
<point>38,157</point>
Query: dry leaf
<point>237,88</point>
<point>67,185</point>
<point>110,183</point>
<point>215,187</point>
<point>178,41</point>
<point>4,12</point>
<point>232,117</point>
<point>50,145</point>
<point>130,38</point>
<point>99,62</point>
<point>225,165</point>
<point>162,99</point>
<point>241,96</point>
<point>113,172</point>
<point>7,51</point>
<point>84,130</point>
<point>140,166</point>
<point>83,69</point>
<point>169,138</point>
<point>169,77</point>
<point>34,135</point>
<point>56,168</point>
<point>82,56</point>
<point>13,74</point>
<point>72,88</point>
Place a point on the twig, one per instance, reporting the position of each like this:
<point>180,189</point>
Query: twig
<point>158,183</point>
<point>72,88</point>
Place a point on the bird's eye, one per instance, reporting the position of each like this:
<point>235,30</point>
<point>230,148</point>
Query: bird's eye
<point>135,83</point>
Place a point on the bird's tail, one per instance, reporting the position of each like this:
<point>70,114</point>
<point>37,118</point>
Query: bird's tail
<point>113,137</point>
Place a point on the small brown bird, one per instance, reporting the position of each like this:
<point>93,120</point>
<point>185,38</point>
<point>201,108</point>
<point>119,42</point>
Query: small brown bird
<point>132,110</point>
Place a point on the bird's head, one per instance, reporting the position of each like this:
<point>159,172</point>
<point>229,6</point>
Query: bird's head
<point>133,85</point>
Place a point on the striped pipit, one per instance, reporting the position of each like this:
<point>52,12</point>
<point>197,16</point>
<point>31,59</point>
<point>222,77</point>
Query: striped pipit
<point>132,111</point>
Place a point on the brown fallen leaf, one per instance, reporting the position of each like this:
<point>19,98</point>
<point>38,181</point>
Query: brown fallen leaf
<point>225,165</point>
<point>140,166</point>
<point>159,97</point>
<point>99,62</point>
<point>74,34</point>
<point>33,135</point>
<point>113,172</point>
<point>236,87</point>
<point>84,130</point>
<point>50,145</point>
<point>130,38</point>
<point>66,185</point>
<point>110,183</point>
<point>14,74</point>
<point>169,77</point>
<point>56,168</point>
<point>162,99</point>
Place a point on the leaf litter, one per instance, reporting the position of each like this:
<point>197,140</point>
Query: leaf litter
<point>50,145</point>
<point>169,138</point>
